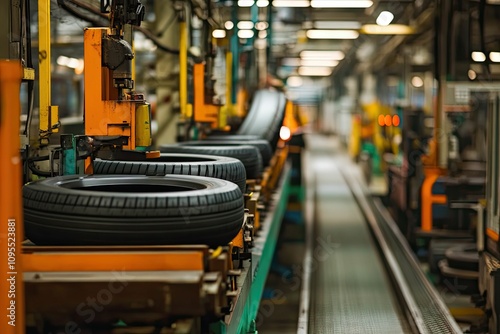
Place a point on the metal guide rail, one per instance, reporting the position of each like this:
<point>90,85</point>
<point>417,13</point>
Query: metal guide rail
<point>424,307</point>
<point>363,277</point>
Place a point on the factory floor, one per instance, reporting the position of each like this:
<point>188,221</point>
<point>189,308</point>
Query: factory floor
<point>343,258</point>
<point>350,291</point>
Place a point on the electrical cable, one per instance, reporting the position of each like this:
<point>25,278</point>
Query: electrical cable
<point>147,33</point>
<point>166,25</point>
<point>30,162</point>
<point>29,64</point>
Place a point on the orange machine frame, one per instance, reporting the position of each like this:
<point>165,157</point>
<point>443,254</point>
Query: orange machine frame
<point>105,115</point>
<point>203,112</point>
<point>11,74</point>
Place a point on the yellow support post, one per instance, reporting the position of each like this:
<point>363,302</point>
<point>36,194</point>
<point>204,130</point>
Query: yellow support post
<point>228,109</point>
<point>183,68</point>
<point>49,115</point>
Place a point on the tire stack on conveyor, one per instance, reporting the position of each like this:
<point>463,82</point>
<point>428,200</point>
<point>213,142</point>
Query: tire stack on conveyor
<point>460,269</point>
<point>191,195</point>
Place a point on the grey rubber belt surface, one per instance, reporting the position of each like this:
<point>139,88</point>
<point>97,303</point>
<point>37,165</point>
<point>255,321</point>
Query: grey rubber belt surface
<point>350,290</point>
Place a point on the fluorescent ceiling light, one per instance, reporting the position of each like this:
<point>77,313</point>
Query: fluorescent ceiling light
<point>245,3</point>
<point>385,18</point>
<point>333,55</point>
<point>262,3</point>
<point>341,4</point>
<point>245,25</point>
<point>495,57</point>
<point>293,62</point>
<point>319,62</point>
<point>391,29</point>
<point>315,71</point>
<point>291,3</point>
<point>332,34</point>
<point>337,25</point>
<point>229,25</point>
<point>245,33</point>
<point>219,33</point>
<point>478,56</point>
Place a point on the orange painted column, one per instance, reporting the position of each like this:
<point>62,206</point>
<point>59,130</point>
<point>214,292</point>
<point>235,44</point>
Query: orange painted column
<point>428,199</point>
<point>11,224</point>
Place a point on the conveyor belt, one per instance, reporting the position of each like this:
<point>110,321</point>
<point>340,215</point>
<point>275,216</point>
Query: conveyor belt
<point>350,290</point>
<point>358,283</point>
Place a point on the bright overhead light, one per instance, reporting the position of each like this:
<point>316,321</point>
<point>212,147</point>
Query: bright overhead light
<point>262,34</point>
<point>319,62</point>
<point>219,33</point>
<point>62,60</point>
<point>285,133</point>
<point>417,82</point>
<point>69,62</point>
<point>229,25</point>
<point>262,3</point>
<point>73,63</point>
<point>245,25</point>
<point>315,71</point>
<point>245,34</point>
<point>294,81</point>
<point>391,29</point>
<point>472,74</point>
<point>245,3</point>
<point>341,4</point>
<point>333,55</point>
<point>291,3</point>
<point>332,34</point>
<point>337,25</point>
<point>262,25</point>
<point>478,56</point>
<point>385,18</point>
<point>495,57</point>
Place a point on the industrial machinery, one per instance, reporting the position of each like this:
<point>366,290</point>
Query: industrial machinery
<point>79,278</point>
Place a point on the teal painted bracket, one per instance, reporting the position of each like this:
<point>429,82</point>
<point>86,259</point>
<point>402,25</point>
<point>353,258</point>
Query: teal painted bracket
<point>69,154</point>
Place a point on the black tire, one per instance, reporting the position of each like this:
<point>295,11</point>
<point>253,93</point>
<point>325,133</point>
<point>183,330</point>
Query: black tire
<point>225,168</point>
<point>463,257</point>
<point>233,137</point>
<point>132,210</point>
<point>263,146</point>
<point>265,116</point>
<point>248,155</point>
<point>458,280</point>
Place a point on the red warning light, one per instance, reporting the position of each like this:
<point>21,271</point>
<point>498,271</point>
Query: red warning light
<point>395,120</point>
<point>388,120</point>
<point>381,120</point>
